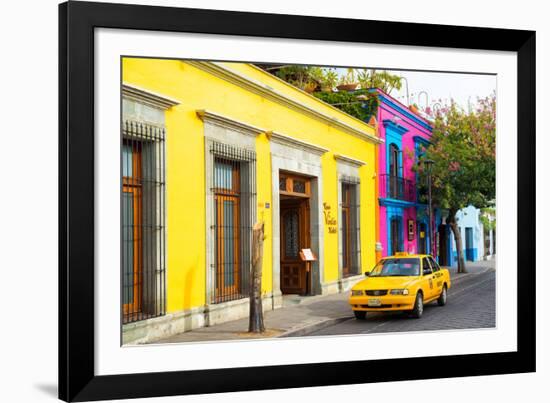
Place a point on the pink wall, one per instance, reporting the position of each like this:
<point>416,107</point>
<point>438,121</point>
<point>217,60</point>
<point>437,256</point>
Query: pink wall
<point>413,125</point>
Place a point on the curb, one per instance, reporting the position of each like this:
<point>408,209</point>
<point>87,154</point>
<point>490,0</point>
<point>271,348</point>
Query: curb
<point>466,275</point>
<point>307,329</point>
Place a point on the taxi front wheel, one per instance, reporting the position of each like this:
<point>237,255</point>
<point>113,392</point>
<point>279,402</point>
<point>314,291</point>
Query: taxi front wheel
<point>418,309</point>
<point>361,315</point>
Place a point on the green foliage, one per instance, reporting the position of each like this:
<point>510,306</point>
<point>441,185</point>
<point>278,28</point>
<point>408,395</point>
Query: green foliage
<point>360,104</point>
<point>349,78</point>
<point>463,151</point>
<point>488,224</point>
<point>371,78</point>
<point>487,218</point>
<point>299,76</point>
<point>304,77</point>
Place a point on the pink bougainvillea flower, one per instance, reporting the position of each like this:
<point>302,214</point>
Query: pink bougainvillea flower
<point>454,166</point>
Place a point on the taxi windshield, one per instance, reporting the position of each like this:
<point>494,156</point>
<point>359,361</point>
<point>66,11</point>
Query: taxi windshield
<point>396,267</point>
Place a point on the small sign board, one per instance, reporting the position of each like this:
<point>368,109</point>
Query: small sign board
<point>411,229</point>
<point>307,255</point>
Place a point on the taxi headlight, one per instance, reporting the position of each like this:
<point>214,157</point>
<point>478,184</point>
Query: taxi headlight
<point>401,291</point>
<point>355,293</point>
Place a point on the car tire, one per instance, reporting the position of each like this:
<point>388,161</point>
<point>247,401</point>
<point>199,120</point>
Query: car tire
<point>442,300</point>
<point>360,315</point>
<point>418,309</point>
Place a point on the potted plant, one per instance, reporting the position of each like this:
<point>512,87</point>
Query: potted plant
<point>349,81</point>
<point>329,80</point>
<point>310,86</point>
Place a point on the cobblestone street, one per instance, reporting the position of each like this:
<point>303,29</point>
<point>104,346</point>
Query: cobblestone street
<point>470,304</point>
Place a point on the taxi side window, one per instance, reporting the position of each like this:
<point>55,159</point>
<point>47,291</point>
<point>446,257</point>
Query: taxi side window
<point>435,266</point>
<point>426,268</point>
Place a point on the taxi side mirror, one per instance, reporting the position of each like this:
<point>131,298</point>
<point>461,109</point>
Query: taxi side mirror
<point>367,273</point>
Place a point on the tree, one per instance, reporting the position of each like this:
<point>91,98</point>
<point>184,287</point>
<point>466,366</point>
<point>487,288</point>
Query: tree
<point>256,317</point>
<point>463,151</point>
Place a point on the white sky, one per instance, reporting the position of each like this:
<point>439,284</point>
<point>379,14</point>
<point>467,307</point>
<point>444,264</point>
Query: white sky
<point>458,86</point>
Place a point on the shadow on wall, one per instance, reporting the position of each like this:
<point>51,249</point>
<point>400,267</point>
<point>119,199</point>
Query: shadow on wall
<point>187,290</point>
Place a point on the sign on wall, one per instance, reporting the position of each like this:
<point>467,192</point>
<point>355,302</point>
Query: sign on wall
<point>411,229</point>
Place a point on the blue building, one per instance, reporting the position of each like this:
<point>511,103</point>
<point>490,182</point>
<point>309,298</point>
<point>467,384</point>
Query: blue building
<point>477,244</point>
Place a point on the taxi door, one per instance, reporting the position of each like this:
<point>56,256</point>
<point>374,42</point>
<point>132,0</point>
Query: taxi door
<point>428,282</point>
<point>438,274</point>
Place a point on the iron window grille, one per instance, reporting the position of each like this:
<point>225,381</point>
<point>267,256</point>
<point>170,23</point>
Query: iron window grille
<point>350,226</point>
<point>143,269</point>
<point>234,195</point>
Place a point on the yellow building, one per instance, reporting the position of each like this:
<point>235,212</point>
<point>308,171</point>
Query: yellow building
<point>210,148</point>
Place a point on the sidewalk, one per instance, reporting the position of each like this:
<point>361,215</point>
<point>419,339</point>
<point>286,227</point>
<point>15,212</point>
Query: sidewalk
<point>298,316</point>
<point>473,268</point>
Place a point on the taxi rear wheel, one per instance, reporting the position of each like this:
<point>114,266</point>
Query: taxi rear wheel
<point>361,315</point>
<point>442,300</point>
<point>418,309</point>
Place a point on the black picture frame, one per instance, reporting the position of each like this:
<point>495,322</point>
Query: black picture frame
<point>77,21</point>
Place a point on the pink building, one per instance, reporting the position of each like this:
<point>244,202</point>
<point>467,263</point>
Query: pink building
<point>403,220</point>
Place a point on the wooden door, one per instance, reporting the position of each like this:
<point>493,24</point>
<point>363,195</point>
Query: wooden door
<point>469,243</point>
<point>227,206</point>
<point>294,237</point>
<point>227,246</point>
<point>443,258</point>
<point>395,235</point>
<point>132,260</point>
<point>346,229</point>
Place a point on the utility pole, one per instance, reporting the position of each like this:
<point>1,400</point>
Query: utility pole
<point>429,165</point>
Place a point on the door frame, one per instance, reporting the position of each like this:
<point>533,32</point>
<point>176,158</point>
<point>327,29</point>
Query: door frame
<point>302,205</point>
<point>304,161</point>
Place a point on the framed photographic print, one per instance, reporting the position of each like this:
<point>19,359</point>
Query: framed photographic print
<point>258,201</point>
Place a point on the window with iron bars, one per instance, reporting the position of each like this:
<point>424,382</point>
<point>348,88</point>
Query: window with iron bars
<point>350,230</point>
<point>142,222</point>
<point>234,195</point>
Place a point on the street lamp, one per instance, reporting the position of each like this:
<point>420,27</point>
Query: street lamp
<point>429,165</point>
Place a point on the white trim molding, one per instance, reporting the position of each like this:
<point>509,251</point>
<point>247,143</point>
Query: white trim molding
<point>348,160</point>
<point>292,142</point>
<point>257,87</point>
<point>147,97</point>
<point>228,123</point>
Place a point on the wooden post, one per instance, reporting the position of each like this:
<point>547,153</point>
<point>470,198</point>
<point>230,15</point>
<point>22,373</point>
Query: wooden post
<point>256,319</point>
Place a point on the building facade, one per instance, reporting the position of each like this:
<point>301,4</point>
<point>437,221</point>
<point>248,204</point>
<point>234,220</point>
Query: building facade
<point>403,218</point>
<point>209,149</point>
<point>477,243</point>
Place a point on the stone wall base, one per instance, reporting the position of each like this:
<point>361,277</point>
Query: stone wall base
<point>151,330</point>
<point>341,285</point>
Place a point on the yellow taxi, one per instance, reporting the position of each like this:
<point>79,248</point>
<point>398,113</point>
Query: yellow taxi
<point>402,282</point>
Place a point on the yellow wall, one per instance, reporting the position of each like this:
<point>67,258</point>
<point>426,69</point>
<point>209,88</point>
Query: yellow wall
<point>185,171</point>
